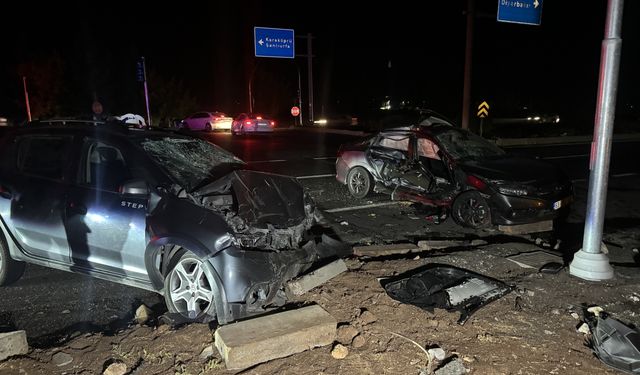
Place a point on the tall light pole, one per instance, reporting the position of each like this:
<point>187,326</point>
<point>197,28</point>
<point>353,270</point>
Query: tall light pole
<point>590,263</point>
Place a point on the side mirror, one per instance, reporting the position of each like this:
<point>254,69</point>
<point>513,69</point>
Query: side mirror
<point>135,187</point>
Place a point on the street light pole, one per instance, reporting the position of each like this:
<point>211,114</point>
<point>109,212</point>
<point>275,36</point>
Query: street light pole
<point>590,263</point>
<point>299,95</point>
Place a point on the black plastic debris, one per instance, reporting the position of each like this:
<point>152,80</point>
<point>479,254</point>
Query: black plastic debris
<point>616,344</point>
<point>446,287</point>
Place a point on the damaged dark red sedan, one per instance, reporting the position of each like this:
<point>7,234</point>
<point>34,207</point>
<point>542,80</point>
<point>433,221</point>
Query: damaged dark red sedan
<point>440,165</point>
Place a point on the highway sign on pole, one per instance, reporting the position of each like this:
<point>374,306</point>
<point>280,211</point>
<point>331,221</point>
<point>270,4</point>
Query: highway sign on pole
<point>270,42</point>
<point>528,12</point>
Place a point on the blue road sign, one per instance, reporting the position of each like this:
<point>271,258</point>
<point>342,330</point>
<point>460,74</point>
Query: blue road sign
<point>270,42</point>
<point>528,12</point>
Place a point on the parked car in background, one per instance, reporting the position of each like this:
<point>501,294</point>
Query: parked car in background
<point>207,121</point>
<point>155,210</point>
<point>251,123</point>
<point>444,166</point>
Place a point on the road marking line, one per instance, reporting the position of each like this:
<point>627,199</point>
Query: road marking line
<point>324,158</point>
<point>566,156</point>
<point>266,161</point>
<point>374,205</point>
<point>316,176</point>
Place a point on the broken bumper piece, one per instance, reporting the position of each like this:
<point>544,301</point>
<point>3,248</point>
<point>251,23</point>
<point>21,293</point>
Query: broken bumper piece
<point>254,281</point>
<point>446,287</point>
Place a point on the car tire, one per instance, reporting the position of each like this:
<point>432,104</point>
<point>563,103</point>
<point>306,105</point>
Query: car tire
<point>190,288</point>
<point>471,210</point>
<point>10,270</point>
<point>359,182</point>
<point>208,127</point>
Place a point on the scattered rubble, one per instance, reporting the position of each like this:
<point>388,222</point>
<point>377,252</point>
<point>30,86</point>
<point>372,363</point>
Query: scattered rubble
<point>346,334</point>
<point>339,351</point>
<point>116,368</point>
<point>13,343</point>
<point>61,359</point>
<point>453,367</point>
<point>142,314</point>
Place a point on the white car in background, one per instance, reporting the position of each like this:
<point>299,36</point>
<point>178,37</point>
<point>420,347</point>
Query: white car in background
<point>207,121</point>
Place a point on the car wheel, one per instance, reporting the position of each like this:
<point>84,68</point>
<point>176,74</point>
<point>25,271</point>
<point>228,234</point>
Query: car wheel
<point>10,270</point>
<point>190,289</point>
<point>208,127</point>
<point>359,182</point>
<point>471,210</point>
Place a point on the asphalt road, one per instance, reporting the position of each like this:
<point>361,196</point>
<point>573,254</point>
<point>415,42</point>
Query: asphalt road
<point>51,304</point>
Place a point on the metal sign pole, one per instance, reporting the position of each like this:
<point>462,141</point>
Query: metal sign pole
<point>590,263</point>
<point>146,91</point>
<point>26,98</point>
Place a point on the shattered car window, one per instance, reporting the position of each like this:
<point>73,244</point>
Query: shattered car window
<point>189,161</point>
<point>397,143</point>
<point>466,145</point>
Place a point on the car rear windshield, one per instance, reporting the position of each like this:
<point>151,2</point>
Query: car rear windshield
<point>191,162</point>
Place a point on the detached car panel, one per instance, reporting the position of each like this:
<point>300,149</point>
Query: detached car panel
<point>155,210</point>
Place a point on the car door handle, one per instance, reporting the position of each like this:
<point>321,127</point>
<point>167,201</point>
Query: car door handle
<point>76,209</point>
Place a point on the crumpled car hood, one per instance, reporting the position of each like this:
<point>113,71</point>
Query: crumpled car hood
<point>268,199</point>
<point>265,211</point>
<point>514,169</point>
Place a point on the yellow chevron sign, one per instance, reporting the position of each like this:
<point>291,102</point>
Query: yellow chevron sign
<point>483,110</point>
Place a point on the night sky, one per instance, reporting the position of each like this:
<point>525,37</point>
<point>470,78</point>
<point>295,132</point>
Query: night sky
<point>200,57</point>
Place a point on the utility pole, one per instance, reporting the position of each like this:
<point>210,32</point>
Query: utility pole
<point>146,92</point>
<point>468,55</point>
<point>299,95</point>
<point>590,263</point>
<point>26,97</point>
<point>309,57</point>
<point>310,77</point>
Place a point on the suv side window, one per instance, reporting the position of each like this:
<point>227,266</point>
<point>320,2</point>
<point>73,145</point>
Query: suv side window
<point>103,166</point>
<point>44,156</point>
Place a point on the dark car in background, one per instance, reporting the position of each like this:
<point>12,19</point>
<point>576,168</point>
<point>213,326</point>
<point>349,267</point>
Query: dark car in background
<point>246,123</point>
<point>439,165</point>
<point>154,210</point>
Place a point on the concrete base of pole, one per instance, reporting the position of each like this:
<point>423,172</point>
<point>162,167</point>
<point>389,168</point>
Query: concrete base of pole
<point>590,266</point>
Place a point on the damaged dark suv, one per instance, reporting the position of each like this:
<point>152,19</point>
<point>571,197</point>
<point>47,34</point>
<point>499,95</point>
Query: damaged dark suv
<point>155,210</point>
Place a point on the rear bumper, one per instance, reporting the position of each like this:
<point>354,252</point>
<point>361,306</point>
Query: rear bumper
<point>510,210</point>
<point>341,171</point>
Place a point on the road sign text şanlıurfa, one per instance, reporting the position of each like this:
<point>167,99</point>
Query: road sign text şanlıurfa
<point>270,42</point>
<point>528,12</point>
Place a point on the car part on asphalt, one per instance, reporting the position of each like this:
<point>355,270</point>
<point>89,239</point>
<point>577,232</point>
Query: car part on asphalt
<point>446,287</point>
<point>616,344</point>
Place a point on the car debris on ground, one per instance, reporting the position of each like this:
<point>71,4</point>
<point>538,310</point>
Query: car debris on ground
<point>446,287</point>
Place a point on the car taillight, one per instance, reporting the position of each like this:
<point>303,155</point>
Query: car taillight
<point>247,122</point>
<point>272,123</point>
<point>259,118</point>
<point>476,182</point>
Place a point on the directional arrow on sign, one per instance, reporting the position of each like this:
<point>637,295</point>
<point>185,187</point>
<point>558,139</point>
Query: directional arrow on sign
<point>260,42</point>
<point>535,3</point>
<point>483,110</point>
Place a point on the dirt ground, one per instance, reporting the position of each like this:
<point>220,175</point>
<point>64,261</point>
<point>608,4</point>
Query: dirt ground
<point>528,331</point>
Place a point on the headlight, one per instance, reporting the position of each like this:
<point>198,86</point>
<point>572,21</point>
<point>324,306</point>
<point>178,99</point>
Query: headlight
<point>513,190</point>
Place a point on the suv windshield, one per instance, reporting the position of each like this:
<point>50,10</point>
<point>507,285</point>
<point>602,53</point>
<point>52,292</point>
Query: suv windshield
<point>191,162</point>
<point>464,145</point>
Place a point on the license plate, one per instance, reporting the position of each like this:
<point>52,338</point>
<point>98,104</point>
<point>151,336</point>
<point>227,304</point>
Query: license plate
<point>561,203</point>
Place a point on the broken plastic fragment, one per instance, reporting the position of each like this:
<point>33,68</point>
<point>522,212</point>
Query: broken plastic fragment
<point>446,287</point>
<point>616,344</point>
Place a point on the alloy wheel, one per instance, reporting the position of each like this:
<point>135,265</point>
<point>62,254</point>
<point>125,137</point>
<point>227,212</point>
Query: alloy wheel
<point>190,290</point>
